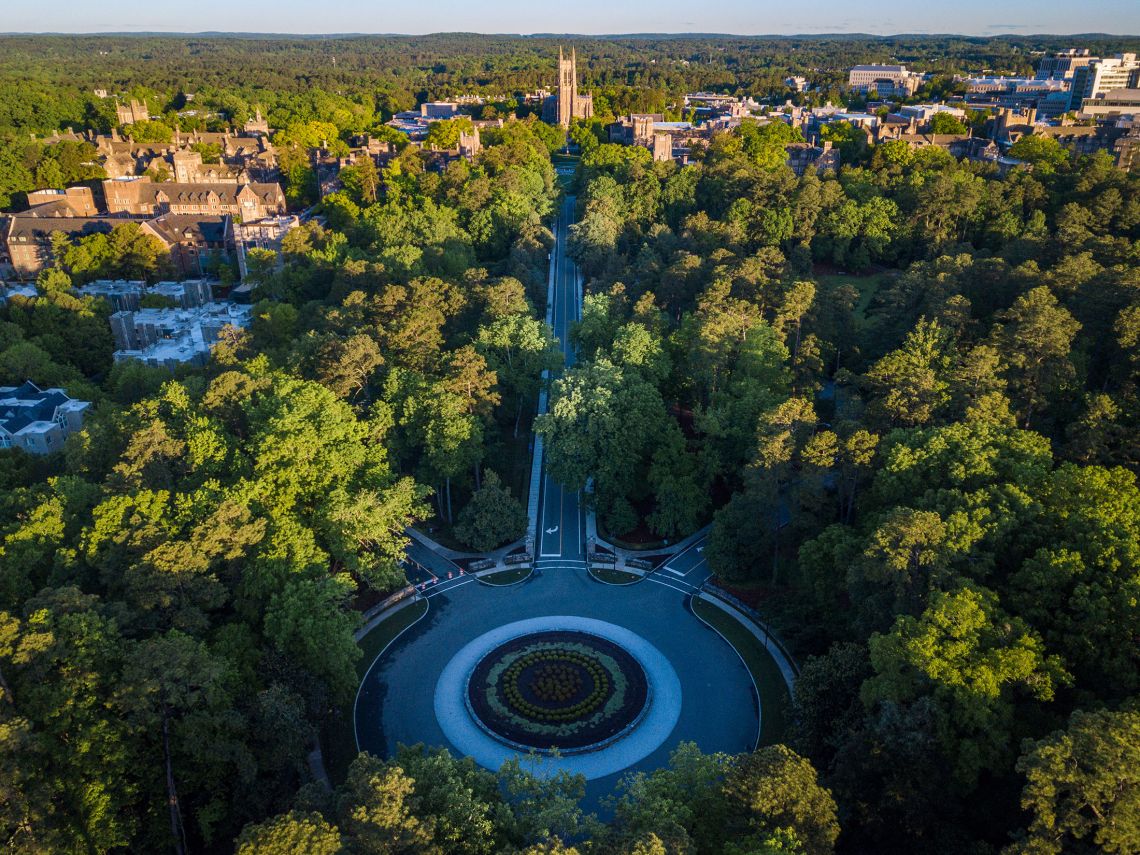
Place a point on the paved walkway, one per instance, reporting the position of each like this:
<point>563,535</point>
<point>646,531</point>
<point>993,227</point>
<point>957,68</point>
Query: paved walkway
<point>470,739</point>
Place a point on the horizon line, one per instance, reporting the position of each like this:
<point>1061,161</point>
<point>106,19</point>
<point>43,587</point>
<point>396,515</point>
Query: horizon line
<point>551,35</point>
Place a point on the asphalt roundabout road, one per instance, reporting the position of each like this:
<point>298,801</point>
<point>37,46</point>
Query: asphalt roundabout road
<point>591,635</point>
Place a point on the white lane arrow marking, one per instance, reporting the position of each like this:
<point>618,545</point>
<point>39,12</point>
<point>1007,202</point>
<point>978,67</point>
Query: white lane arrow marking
<point>552,530</point>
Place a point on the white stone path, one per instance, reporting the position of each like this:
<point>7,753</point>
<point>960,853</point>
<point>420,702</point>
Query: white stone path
<point>469,739</point>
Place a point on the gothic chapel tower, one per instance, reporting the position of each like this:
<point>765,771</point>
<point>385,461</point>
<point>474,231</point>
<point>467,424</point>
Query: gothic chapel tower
<point>567,86</point>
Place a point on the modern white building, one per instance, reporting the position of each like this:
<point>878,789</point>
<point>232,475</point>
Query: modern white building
<point>171,337</point>
<point>884,80</point>
<point>38,420</point>
<point>1101,76</point>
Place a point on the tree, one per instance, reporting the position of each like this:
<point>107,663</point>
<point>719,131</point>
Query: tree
<point>825,703</point>
<point>444,134</point>
<point>61,662</point>
<point>519,349</point>
<point>601,425</point>
<point>908,386</point>
<point>673,804</point>
<point>347,365</point>
<point>679,490</point>
<point>1081,786</point>
<point>773,789</point>
<point>375,810</point>
<point>492,517</point>
<point>457,800</point>
<point>1035,339</point>
<point>975,660</point>
<point>947,123</point>
<point>361,180</point>
<point>546,805</point>
<point>906,553</point>
<point>291,833</point>
<point>1079,574</point>
<point>166,679</point>
<point>307,621</point>
<point>1045,154</point>
<point>764,143</point>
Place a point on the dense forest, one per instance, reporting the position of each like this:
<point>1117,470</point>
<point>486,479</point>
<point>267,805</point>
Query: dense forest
<point>184,574</point>
<point>915,383</point>
<point>352,80</point>
<point>905,397</point>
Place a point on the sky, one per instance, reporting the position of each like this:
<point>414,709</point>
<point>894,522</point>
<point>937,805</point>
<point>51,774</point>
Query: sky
<point>748,17</point>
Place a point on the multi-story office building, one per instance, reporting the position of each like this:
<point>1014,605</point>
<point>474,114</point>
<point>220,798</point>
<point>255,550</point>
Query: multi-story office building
<point>1094,80</point>
<point>1063,65</point>
<point>884,80</point>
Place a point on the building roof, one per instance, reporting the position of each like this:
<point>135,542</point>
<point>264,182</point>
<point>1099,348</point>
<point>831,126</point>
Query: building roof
<point>934,139</point>
<point>54,208</point>
<point>34,227</point>
<point>198,228</point>
<point>27,407</point>
<point>173,192</point>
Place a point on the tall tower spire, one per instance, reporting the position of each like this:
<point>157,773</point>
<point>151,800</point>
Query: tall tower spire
<point>569,103</point>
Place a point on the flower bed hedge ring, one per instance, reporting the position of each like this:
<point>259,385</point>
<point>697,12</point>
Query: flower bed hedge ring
<point>557,690</point>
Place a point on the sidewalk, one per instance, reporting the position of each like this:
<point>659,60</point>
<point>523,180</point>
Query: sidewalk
<point>672,549</point>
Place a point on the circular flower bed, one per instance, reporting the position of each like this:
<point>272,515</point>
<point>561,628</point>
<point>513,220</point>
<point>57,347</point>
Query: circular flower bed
<point>557,690</point>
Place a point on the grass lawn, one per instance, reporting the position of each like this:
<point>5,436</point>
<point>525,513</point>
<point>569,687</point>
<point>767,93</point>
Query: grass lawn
<point>774,698</point>
<point>506,577</point>
<point>338,738</point>
<point>867,286</point>
<point>383,634</point>
<point>613,576</point>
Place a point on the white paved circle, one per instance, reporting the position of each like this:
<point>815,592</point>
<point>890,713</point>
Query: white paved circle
<point>653,729</point>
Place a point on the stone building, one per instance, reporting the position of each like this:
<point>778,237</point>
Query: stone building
<point>141,197</point>
<point>648,130</point>
<point>192,239</point>
<point>804,156</point>
<point>26,238</point>
<point>257,126</point>
<point>250,156</point>
<point>189,168</point>
<point>136,111</point>
<point>76,201</point>
<point>568,104</point>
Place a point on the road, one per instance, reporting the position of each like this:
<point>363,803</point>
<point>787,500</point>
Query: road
<point>719,706</point>
<point>562,520</point>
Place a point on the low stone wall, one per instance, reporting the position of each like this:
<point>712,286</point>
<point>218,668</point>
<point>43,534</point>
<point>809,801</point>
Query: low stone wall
<point>385,608</point>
